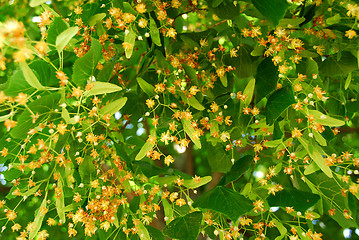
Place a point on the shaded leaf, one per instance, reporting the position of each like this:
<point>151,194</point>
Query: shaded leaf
<point>105,74</point>
<point>226,201</point>
<point>185,227</point>
<point>332,67</point>
<point>240,167</point>
<point>266,78</point>
<point>219,160</point>
<point>85,66</point>
<point>155,234</point>
<point>278,102</point>
<point>273,10</point>
<point>297,199</point>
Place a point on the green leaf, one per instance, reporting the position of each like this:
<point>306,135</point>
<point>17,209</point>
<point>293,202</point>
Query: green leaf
<point>114,106</point>
<point>266,78</point>
<point>186,227</point>
<point>216,3</point>
<point>314,153</point>
<point>57,26</point>
<point>239,168</point>
<point>96,18</point>
<point>30,77</point>
<point>60,202</point>
<point>348,81</point>
<point>191,183</point>
<point>294,22</point>
<point>320,139</point>
<point>226,201</point>
<point>273,10</point>
<point>155,234</point>
<point>39,217</point>
<point>333,20</point>
<point>66,116</point>
<point>168,210</point>
<point>193,102</point>
<point>145,148</point>
<point>34,3</point>
<point>87,170</point>
<point>84,67</point>
<point>278,102</point>
<point>282,230</point>
<point>30,191</point>
<point>248,91</point>
<point>189,42</point>
<point>325,120</point>
<point>46,7</point>
<point>64,38</point>
<point>155,33</point>
<point>187,126</point>
<point>191,73</point>
<point>40,106</point>
<point>273,144</point>
<point>5,117</point>
<point>18,84</point>
<point>105,74</point>
<point>131,39</point>
<point>224,80</point>
<point>219,160</point>
<point>128,8</point>
<point>333,67</point>
<point>290,197</point>
<point>142,231</point>
<point>245,63</point>
<point>102,88</point>
<point>146,87</point>
<point>332,187</point>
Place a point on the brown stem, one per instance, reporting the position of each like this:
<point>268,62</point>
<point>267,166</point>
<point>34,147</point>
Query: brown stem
<point>190,160</point>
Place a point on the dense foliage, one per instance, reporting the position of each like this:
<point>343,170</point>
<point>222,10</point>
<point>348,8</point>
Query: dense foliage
<point>149,119</point>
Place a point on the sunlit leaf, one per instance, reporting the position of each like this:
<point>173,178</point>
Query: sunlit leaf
<point>114,106</point>
<point>30,77</point>
<point>102,88</point>
<point>64,38</point>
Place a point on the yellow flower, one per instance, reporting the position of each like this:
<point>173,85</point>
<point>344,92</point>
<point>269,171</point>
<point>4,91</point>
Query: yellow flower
<point>171,33</point>
<point>21,98</point>
<point>225,136</point>
<point>142,23</point>
<point>150,103</point>
<point>168,160</point>
<point>350,33</point>
<point>141,8</point>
